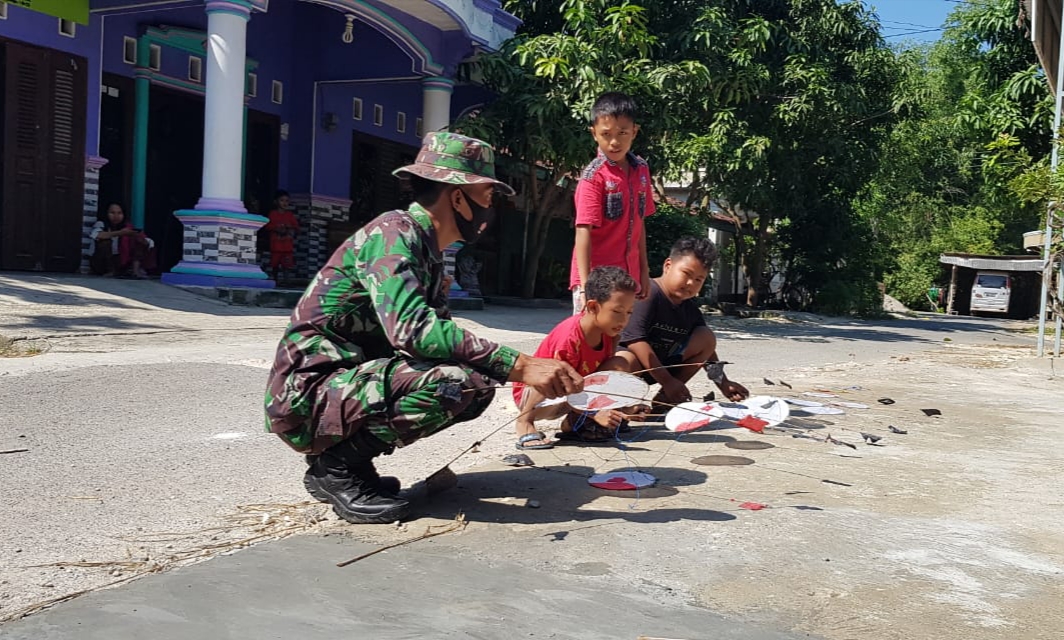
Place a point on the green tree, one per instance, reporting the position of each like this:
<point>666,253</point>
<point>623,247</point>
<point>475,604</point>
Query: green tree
<point>794,137</point>
<point>937,188</point>
<point>548,76</point>
<point>775,106</point>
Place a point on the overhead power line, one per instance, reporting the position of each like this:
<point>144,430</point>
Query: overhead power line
<point>912,33</point>
<point>910,24</point>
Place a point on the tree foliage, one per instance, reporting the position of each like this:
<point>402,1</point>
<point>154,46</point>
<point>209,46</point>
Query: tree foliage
<point>792,135</point>
<point>771,105</point>
<point>861,162</point>
<point>938,187</point>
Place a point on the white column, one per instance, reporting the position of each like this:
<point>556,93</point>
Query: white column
<point>220,235</point>
<point>223,135</point>
<point>436,107</point>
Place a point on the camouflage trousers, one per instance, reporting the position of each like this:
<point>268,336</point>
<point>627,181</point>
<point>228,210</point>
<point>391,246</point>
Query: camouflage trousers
<point>400,400</point>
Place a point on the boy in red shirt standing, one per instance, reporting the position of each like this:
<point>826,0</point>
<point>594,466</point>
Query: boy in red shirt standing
<point>587,342</point>
<point>612,198</point>
<point>282,227</point>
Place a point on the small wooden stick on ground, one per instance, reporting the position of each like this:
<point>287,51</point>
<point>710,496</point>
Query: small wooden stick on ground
<point>459,523</point>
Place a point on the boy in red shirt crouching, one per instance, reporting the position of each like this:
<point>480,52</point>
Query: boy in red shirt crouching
<point>587,342</point>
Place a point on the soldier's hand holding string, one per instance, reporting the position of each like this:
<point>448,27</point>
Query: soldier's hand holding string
<point>552,378</point>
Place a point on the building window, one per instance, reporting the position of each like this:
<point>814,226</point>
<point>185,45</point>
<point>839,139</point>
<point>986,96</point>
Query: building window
<point>277,92</point>
<point>3,11</point>
<point>419,128</point>
<point>129,50</point>
<point>66,27</point>
<point>253,85</point>
<point>195,69</point>
<point>400,122</point>
<point>155,57</point>
<point>356,108</point>
<point>378,115</point>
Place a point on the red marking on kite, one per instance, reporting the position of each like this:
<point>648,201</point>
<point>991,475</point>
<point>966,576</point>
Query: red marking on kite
<point>596,380</point>
<point>692,425</point>
<point>600,402</point>
<point>752,506</point>
<point>618,483</point>
<point>756,425</point>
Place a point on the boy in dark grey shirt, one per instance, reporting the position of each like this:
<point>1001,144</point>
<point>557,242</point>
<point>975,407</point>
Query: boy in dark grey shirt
<point>667,333</point>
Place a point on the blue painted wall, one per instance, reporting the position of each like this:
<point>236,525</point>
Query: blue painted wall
<point>340,71</point>
<point>270,39</point>
<point>296,43</point>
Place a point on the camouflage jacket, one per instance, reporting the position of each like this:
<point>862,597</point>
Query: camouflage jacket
<point>379,295</point>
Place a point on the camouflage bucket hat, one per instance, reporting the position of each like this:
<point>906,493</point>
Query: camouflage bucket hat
<point>455,159</point>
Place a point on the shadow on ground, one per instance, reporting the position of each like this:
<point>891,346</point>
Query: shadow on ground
<point>910,330</point>
<point>502,496</point>
<point>116,293</point>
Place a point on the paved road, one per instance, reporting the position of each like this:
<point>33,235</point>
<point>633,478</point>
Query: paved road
<point>143,425</point>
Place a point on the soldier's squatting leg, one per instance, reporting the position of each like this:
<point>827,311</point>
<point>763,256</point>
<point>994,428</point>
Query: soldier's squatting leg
<point>381,405</point>
<point>427,397</point>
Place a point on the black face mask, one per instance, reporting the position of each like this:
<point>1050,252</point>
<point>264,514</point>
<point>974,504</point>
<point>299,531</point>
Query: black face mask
<point>471,230</point>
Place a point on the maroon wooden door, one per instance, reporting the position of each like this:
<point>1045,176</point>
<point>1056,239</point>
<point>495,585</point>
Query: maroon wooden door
<point>44,101</point>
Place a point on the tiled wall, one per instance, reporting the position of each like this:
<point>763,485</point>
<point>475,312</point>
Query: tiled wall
<point>200,243</point>
<point>312,245</point>
<point>236,244</point>
<point>221,244</point>
<point>88,213</point>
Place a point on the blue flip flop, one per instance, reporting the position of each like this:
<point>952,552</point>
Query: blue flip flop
<point>533,437</point>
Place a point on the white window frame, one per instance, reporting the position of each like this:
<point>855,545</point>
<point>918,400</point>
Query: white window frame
<point>400,122</point>
<point>67,28</point>
<point>195,64</point>
<point>277,92</point>
<point>356,108</point>
<point>253,84</point>
<point>155,57</point>
<point>419,127</point>
<point>378,115</point>
<point>126,42</point>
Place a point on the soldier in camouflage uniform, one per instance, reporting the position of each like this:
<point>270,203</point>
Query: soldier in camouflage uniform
<point>371,359</point>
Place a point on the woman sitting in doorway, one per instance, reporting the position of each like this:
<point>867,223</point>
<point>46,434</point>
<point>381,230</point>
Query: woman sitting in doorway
<point>118,249</point>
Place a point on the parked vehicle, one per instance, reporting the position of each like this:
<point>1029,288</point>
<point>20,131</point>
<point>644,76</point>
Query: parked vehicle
<point>990,292</point>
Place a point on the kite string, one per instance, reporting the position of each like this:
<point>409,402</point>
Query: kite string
<point>793,428</point>
<point>622,444</point>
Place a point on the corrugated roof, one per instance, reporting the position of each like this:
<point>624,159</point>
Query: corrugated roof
<point>996,263</point>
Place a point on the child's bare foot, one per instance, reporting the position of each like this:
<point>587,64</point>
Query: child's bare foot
<point>580,427</point>
<point>610,419</point>
<point>636,412</point>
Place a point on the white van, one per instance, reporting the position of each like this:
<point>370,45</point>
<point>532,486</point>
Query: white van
<point>990,292</point>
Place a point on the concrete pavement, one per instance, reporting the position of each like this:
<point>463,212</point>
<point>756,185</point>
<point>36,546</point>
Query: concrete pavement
<point>292,589</point>
<point>145,446</point>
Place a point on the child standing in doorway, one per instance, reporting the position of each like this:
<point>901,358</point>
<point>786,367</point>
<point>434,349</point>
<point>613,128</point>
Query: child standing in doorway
<point>612,198</point>
<point>282,228</point>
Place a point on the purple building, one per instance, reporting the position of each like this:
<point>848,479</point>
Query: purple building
<point>191,113</point>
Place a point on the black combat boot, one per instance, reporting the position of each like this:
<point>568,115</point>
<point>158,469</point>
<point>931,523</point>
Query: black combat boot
<point>386,484</point>
<point>344,476</point>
